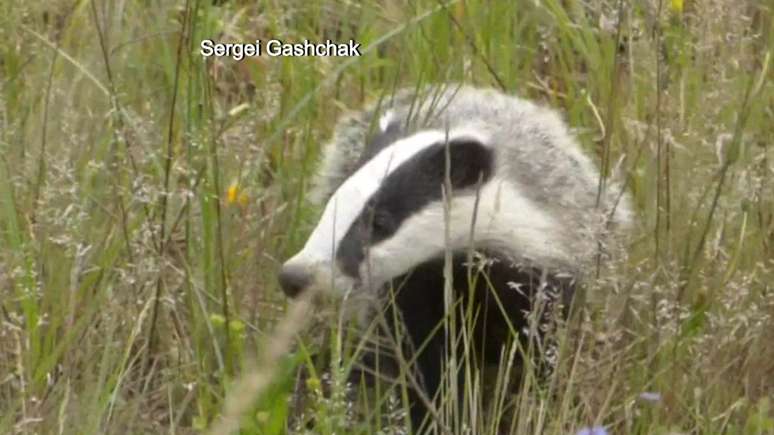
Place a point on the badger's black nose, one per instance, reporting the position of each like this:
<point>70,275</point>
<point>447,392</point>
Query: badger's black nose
<point>293,280</point>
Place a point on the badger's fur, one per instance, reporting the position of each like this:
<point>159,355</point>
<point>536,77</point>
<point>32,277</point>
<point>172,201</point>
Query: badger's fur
<point>417,176</point>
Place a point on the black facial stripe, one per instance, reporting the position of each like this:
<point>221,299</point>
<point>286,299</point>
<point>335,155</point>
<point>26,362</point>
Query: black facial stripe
<point>418,182</point>
<point>408,189</point>
<point>351,249</point>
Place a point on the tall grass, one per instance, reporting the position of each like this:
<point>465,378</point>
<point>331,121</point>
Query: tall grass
<point>147,196</point>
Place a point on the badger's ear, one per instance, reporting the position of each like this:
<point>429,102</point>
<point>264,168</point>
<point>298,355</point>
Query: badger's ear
<point>470,161</point>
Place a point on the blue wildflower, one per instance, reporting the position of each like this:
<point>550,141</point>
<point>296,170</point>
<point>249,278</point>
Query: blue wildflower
<point>650,397</point>
<point>596,430</point>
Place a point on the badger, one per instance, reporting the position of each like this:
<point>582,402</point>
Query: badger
<point>426,185</point>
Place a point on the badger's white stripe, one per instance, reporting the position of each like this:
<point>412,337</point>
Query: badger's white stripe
<point>348,201</point>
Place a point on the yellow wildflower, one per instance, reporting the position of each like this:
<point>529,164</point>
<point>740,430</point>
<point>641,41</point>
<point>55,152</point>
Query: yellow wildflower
<point>236,195</point>
<point>677,6</point>
<point>232,194</point>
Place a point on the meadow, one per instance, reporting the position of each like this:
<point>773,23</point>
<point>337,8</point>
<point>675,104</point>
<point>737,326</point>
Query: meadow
<point>148,196</point>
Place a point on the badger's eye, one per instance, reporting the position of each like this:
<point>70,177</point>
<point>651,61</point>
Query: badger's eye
<point>382,224</point>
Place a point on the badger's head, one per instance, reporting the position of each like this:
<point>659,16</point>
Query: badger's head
<point>394,213</point>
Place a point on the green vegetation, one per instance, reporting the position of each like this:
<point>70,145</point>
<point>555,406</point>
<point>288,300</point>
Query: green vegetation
<point>147,196</point>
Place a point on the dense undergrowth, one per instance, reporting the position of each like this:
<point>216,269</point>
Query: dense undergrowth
<point>147,196</point>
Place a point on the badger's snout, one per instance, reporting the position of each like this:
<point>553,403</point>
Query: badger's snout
<point>294,279</point>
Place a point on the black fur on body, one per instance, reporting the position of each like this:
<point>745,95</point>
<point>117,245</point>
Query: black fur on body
<point>494,299</point>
